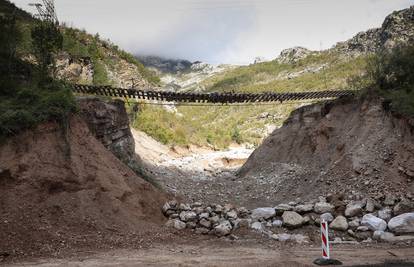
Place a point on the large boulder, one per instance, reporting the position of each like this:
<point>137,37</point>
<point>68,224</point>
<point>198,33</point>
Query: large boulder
<point>177,224</point>
<point>187,216</point>
<point>403,223</point>
<point>323,207</point>
<point>263,213</point>
<point>292,219</point>
<point>224,228</point>
<point>373,223</point>
<point>354,209</point>
<point>340,223</point>
<point>258,226</point>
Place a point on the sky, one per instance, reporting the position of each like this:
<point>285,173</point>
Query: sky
<point>223,31</point>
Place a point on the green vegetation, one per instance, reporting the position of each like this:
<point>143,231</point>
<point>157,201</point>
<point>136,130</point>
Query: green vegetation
<point>81,44</point>
<point>272,76</point>
<point>221,125</point>
<point>27,95</point>
<point>47,41</point>
<point>390,74</point>
<point>218,126</point>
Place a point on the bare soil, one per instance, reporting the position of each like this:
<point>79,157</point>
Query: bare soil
<point>62,190</point>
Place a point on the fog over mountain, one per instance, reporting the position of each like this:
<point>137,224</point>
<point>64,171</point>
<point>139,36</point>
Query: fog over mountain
<point>225,31</point>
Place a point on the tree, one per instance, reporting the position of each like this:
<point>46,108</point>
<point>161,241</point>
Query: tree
<point>47,40</point>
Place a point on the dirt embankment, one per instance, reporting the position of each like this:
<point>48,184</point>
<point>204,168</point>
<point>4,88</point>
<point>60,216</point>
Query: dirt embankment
<point>61,190</point>
<point>344,146</point>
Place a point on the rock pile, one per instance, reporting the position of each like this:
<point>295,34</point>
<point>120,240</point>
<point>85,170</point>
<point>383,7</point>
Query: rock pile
<point>349,220</point>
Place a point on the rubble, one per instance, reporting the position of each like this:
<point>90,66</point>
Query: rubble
<point>355,222</point>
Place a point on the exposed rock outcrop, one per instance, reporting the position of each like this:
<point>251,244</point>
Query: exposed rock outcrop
<point>294,54</point>
<point>398,28</point>
<point>109,122</point>
<point>75,70</point>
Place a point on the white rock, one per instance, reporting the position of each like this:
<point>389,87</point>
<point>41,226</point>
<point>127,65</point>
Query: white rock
<point>277,223</point>
<point>292,219</point>
<point>403,223</point>
<point>373,223</point>
<point>258,226</point>
<point>323,207</point>
<point>340,223</point>
<point>224,228</point>
<point>327,217</point>
<point>263,213</point>
<point>187,216</point>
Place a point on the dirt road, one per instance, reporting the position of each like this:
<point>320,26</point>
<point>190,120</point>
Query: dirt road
<point>218,253</point>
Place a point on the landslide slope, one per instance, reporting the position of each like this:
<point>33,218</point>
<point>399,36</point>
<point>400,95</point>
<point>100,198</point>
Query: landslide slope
<point>64,190</point>
<point>346,146</point>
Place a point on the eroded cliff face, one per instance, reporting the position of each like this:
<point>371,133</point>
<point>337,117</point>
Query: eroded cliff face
<point>343,146</point>
<point>108,121</point>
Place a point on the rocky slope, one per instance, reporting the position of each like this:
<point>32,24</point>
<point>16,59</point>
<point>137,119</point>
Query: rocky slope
<point>341,147</point>
<point>61,189</point>
<point>398,28</point>
<point>182,75</point>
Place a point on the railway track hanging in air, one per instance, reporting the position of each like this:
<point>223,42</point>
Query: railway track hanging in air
<point>215,98</point>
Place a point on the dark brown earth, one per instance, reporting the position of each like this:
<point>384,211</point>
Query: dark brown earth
<point>62,190</point>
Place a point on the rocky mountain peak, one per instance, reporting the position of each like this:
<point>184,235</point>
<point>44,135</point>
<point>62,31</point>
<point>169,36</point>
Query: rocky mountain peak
<point>294,54</point>
<point>397,28</point>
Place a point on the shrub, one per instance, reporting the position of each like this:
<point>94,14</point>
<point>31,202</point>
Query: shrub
<point>390,74</point>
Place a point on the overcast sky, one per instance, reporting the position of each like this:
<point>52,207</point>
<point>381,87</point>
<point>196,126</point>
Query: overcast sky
<point>223,31</point>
